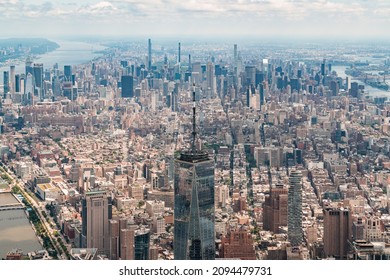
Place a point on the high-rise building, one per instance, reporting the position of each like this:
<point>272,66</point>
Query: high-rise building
<point>6,82</point>
<point>149,54</point>
<point>238,244</point>
<point>114,240</point>
<point>334,87</point>
<point>250,74</point>
<point>29,89</point>
<point>96,213</point>
<point>29,66</point>
<point>261,92</point>
<point>354,92</point>
<point>323,67</point>
<point>38,79</point>
<point>127,244</point>
<point>210,80</point>
<point>179,53</point>
<point>294,216</point>
<point>12,79</point>
<point>337,231</point>
<point>38,74</point>
<point>235,54</point>
<point>275,209</point>
<point>68,72</point>
<point>194,232</point>
<point>127,86</point>
<point>17,83</point>
<point>141,244</point>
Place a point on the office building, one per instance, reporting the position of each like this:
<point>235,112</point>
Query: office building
<point>68,72</point>
<point>127,244</point>
<point>149,54</point>
<point>354,91</point>
<point>210,80</point>
<point>127,86</point>
<point>38,80</point>
<point>96,213</point>
<point>29,66</point>
<point>114,240</point>
<point>12,79</point>
<point>6,82</point>
<point>179,53</point>
<point>275,209</point>
<point>17,83</point>
<point>194,204</point>
<point>337,232</point>
<point>141,244</point>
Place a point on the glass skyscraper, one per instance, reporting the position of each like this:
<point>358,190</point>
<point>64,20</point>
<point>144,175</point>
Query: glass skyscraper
<point>194,235</point>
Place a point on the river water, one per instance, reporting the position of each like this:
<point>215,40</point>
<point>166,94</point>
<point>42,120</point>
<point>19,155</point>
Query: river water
<point>374,92</point>
<point>16,232</point>
<point>69,53</point>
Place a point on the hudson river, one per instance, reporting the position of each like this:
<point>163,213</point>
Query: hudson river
<point>69,53</point>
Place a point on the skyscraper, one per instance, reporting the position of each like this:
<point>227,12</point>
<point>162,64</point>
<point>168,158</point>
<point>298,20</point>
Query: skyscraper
<point>127,244</point>
<point>149,54</point>
<point>68,72</point>
<point>127,86</point>
<point>295,209</point>
<point>38,79</point>
<point>114,240</point>
<point>12,79</point>
<point>29,89</point>
<point>337,231</point>
<point>210,77</point>
<point>194,204</point>
<point>178,53</point>
<point>6,82</point>
<point>235,54</point>
<point>323,65</point>
<point>275,209</point>
<point>96,213</point>
<point>141,244</point>
<point>17,83</point>
<point>29,66</point>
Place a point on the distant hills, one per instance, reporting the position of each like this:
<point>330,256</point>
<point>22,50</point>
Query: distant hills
<point>17,48</point>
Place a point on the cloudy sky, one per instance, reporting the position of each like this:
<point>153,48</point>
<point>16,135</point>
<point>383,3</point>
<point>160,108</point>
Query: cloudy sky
<point>172,18</point>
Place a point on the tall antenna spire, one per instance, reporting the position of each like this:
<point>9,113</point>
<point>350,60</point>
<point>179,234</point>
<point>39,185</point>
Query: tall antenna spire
<point>193,121</point>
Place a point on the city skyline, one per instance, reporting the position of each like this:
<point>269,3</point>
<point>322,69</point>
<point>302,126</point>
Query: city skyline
<point>156,148</point>
<point>168,18</point>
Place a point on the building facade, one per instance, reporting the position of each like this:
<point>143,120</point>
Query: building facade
<point>96,213</point>
<point>295,234</point>
<point>194,234</point>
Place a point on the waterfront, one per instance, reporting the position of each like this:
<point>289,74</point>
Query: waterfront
<point>16,231</point>
<point>373,92</point>
<point>69,53</point>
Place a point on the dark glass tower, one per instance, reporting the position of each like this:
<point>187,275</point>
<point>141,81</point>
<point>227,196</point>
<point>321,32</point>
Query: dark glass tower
<point>141,245</point>
<point>68,72</point>
<point>6,81</point>
<point>127,87</point>
<point>194,234</point>
<point>149,54</point>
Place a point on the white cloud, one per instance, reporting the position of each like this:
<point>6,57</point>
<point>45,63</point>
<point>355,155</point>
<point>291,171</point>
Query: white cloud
<point>221,16</point>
